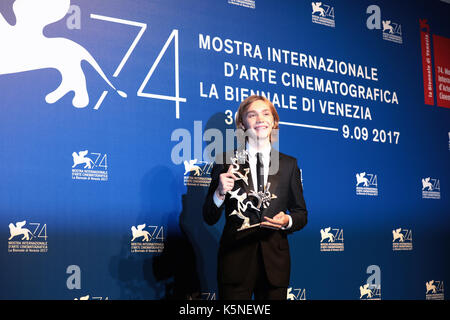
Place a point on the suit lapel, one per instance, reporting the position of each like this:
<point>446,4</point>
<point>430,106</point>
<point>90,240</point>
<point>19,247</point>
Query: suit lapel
<point>273,178</point>
<point>274,171</point>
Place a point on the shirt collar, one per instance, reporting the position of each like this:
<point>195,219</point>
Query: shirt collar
<point>265,151</point>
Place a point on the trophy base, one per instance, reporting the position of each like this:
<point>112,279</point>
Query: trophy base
<point>249,227</point>
<point>257,225</point>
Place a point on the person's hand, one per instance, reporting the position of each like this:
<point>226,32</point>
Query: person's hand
<point>277,222</point>
<point>226,183</point>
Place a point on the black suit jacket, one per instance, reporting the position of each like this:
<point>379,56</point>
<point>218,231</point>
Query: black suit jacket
<point>237,247</point>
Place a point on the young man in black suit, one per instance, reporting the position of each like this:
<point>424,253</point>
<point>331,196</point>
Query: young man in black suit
<point>263,200</point>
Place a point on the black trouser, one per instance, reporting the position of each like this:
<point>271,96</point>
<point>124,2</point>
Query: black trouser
<point>256,283</point>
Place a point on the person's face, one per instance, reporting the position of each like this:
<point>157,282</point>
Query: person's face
<point>259,120</point>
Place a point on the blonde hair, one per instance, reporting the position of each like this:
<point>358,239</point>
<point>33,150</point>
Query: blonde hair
<point>239,118</point>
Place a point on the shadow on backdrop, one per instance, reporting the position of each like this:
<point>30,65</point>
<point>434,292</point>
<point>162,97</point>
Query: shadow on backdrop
<point>187,266</point>
<point>134,271</point>
<point>190,253</point>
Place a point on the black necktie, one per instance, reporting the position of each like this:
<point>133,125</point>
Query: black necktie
<point>259,172</point>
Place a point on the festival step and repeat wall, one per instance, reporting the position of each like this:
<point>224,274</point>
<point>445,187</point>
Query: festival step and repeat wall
<point>111,111</point>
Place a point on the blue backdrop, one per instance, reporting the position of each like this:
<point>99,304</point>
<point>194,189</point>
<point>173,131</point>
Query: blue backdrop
<point>80,179</point>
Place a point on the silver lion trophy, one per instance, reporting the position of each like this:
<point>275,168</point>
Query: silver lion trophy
<point>249,205</point>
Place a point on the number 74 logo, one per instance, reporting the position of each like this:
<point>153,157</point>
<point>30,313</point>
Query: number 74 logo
<point>173,37</point>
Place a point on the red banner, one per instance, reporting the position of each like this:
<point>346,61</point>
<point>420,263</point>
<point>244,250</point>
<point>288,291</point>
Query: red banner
<point>441,46</point>
<point>426,62</point>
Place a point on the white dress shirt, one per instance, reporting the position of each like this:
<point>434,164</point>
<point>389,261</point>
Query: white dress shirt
<point>252,159</point>
<point>252,162</point>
